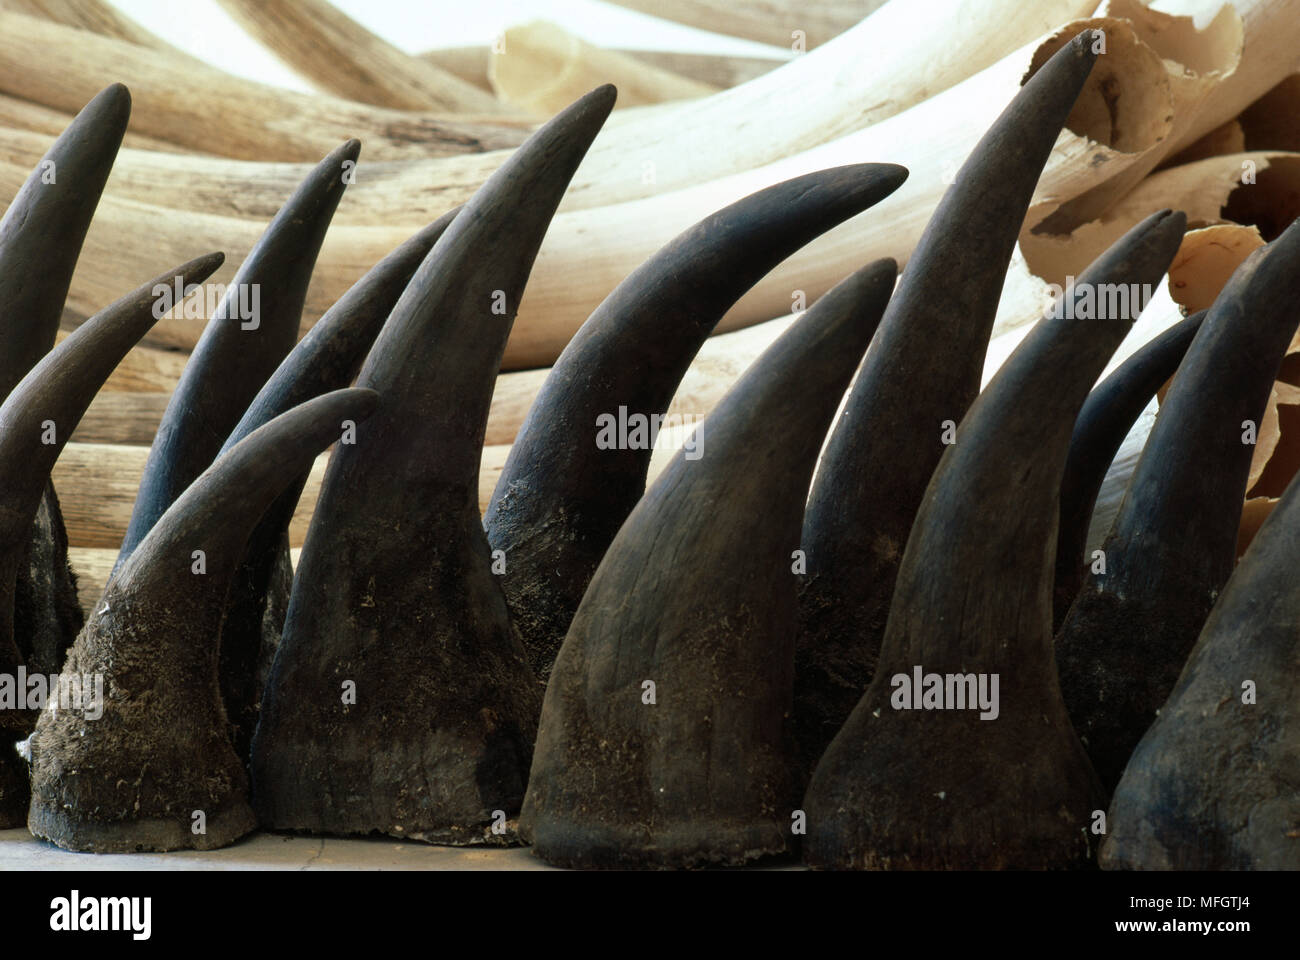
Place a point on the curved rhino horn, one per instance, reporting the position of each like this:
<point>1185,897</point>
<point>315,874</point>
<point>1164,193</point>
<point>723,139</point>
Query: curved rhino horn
<point>664,739</point>
<point>44,227</point>
<point>1104,422</point>
<point>394,592</point>
<point>561,497</point>
<point>327,358</point>
<point>36,421</point>
<point>924,370</point>
<point>960,754</point>
<point>158,759</point>
<point>1125,640</point>
<point>1212,784</point>
<point>41,236</point>
<point>242,344</point>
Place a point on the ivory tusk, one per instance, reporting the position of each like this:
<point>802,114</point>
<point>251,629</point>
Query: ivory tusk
<point>263,122</point>
<point>766,21</point>
<point>542,67</point>
<point>340,56</point>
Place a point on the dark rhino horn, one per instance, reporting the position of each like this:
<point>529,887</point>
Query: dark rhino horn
<point>995,777</point>
<point>156,771</point>
<point>1212,784</point>
<point>1174,542</point>
<point>665,738</point>
<point>561,497</point>
<point>923,371</point>
<point>41,237</point>
<point>1105,420</point>
<point>45,225</point>
<point>235,354</point>
<point>327,358</point>
<point>400,700</point>
<point>36,420</point>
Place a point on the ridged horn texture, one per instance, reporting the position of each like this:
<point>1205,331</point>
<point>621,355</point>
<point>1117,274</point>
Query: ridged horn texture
<point>327,358</point>
<point>36,421</point>
<point>400,700</point>
<point>1173,543</point>
<point>253,329</point>
<point>665,738</point>
<point>924,369</point>
<point>156,771</point>
<point>563,493</point>
<point>1215,783</point>
<point>937,773</point>
<point>40,240</point>
<point>1105,420</point>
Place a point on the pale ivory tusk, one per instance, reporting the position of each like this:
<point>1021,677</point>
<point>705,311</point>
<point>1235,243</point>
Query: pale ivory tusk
<point>468,63</point>
<point>1206,261</point>
<point>589,251</point>
<point>1213,75</point>
<point>96,16</point>
<point>542,68</point>
<point>1202,190</point>
<point>23,119</point>
<point>716,70</point>
<point>879,69</point>
<point>207,109</point>
<point>811,100</point>
<point>338,55</point>
<point>766,21</point>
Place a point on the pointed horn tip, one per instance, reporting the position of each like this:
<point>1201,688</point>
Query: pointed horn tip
<point>356,403</point>
<point>1168,222</point>
<point>1290,233</point>
<point>111,105</point>
<point>362,400</point>
<point>892,175</point>
<point>198,269</point>
<point>596,103</point>
<point>877,271</point>
<point>349,149</point>
<point>207,264</point>
<point>1082,45</point>
<point>605,92</point>
<point>870,282</point>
